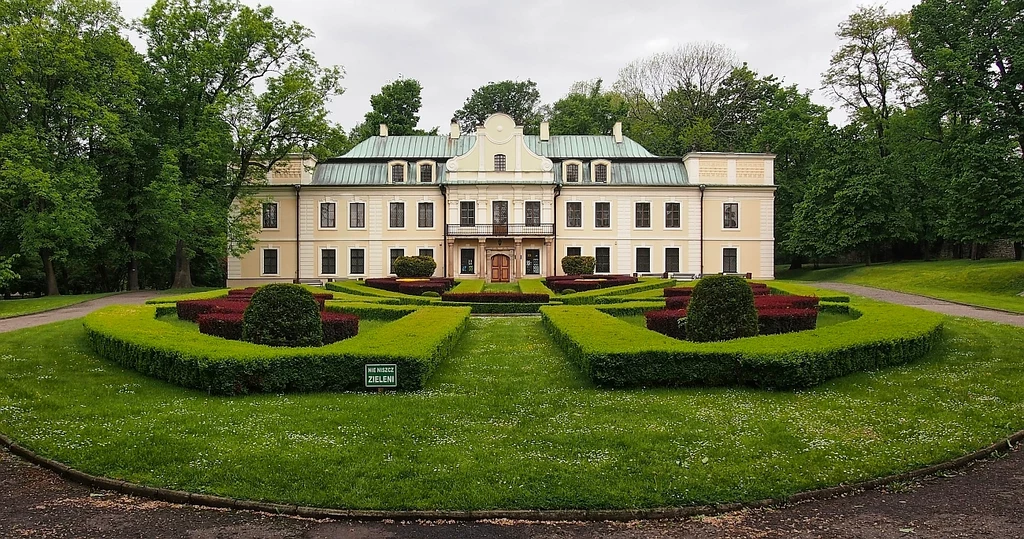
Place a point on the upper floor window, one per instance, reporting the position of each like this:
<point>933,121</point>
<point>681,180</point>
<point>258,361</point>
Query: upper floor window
<point>532,213</point>
<point>601,173</point>
<point>467,213</point>
<point>672,217</point>
<point>356,215</point>
<point>643,215</point>
<point>573,214</point>
<point>270,215</point>
<point>731,215</point>
<point>603,215</point>
<point>499,162</point>
<point>328,215</point>
<point>397,172</point>
<point>397,215</point>
<point>426,173</point>
<point>572,172</point>
<point>425,215</point>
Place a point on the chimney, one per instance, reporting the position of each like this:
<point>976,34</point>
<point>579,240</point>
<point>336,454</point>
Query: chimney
<point>617,132</point>
<point>383,130</point>
<point>455,131</point>
<point>545,132</point>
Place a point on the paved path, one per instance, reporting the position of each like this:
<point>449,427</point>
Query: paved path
<point>929,304</point>
<point>74,311</point>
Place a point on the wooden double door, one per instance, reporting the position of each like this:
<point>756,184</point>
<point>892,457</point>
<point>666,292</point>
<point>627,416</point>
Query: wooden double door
<point>501,269</point>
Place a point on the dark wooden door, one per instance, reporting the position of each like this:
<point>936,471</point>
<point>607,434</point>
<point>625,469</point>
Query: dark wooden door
<point>500,269</point>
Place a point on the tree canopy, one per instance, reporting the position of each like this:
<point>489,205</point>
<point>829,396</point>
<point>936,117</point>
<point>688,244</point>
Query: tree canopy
<point>518,99</point>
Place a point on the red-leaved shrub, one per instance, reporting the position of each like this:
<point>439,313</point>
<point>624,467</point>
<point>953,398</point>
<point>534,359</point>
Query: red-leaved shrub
<point>495,297</point>
<point>223,325</point>
<point>785,302</point>
<point>581,283</point>
<point>417,288</point>
<point>666,322</point>
<point>339,326</point>
<point>773,321</point>
<point>677,302</point>
<point>191,309</point>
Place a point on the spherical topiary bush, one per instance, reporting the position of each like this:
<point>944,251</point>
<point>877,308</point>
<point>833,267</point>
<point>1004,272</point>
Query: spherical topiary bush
<point>721,308</point>
<point>578,265</point>
<point>283,315</point>
<point>414,266</point>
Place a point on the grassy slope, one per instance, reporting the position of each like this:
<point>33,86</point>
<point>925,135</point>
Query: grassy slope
<point>988,283</point>
<point>507,422</point>
<point>18,307</point>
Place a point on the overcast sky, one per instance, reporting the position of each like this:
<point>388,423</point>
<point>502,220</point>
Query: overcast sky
<point>454,46</point>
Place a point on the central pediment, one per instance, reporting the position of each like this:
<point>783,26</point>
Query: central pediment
<point>500,154</point>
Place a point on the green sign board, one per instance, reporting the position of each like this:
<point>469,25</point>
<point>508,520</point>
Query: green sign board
<point>381,375</point>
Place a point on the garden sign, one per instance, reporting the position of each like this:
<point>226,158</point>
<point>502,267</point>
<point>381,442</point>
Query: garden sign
<point>381,375</point>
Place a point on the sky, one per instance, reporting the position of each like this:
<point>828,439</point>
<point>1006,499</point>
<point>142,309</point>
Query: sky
<point>455,46</point>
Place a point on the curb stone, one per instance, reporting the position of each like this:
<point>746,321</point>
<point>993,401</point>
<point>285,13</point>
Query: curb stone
<point>206,500</point>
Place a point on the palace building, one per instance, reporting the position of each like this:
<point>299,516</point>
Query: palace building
<point>501,205</point>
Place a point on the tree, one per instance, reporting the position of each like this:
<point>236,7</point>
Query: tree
<point>7,274</point>
<point>63,68</point>
<point>518,99</point>
<point>397,105</point>
<point>587,110</point>
<point>240,90</point>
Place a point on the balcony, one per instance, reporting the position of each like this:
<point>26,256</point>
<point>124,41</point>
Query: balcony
<point>543,229</point>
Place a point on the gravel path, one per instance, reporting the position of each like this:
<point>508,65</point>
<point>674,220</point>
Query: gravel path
<point>74,311</point>
<point>928,304</point>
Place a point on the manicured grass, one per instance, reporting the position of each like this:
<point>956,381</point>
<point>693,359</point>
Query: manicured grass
<point>501,287</point>
<point>469,286</point>
<point>19,307</point>
<point>506,422</point>
<point>987,283</point>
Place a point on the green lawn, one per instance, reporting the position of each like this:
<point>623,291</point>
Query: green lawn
<point>987,283</point>
<point>501,287</point>
<point>506,422</point>
<point>18,307</point>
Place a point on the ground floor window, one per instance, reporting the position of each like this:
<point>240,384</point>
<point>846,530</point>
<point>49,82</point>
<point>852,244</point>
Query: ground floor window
<point>328,261</point>
<point>357,262</point>
<point>573,251</point>
<point>603,256</point>
<point>270,262</point>
<point>427,252</point>
<point>395,253</point>
<point>729,260</point>
<point>643,259</point>
<point>468,262</point>
<point>533,261</point>
<point>672,259</point>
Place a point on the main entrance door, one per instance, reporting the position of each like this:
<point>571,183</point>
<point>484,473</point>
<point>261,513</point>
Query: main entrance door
<point>500,269</point>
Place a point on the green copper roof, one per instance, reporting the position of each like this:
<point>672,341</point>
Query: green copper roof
<point>634,173</point>
<point>585,147</point>
<point>442,147</point>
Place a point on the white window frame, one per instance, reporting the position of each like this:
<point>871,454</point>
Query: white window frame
<point>738,222</point>
<point>433,215</point>
<point>611,220</point>
<point>426,248</point>
<point>650,259</point>
<point>540,212</point>
<point>650,215</point>
<point>593,171</point>
<point>405,172</point>
<point>567,247</point>
<point>475,212</point>
<point>361,203</point>
<point>664,215</point>
<point>494,162</point>
<point>664,264</point>
<point>388,257</point>
<point>722,259</point>
<point>276,211</point>
<point>433,171</point>
<point>508,207</point>
<point>350,249</point>
<point>320,213</point>
<point>476,267</point>
<point>263,265</point>
<point>540,261</point>
<point>565,171</point>
<point>405,215</point>
<point>321,261</point>
<point>582,213</point>
<point>611,265</point>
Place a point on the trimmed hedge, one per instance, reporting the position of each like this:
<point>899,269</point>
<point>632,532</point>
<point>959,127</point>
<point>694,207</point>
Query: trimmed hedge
<point>338,326</point>
<point>283,315</point>
<point>583,283</point>
<point>630,309</point>
<point>579,265</point>
<point>531,286</point>
<point>677,302</point>
<point>496,297</point>
<point>773,321</point>
<point>497,308</point>
<point>721,308</point>
<point>615,353</point>
<point>131,336</point>
<point>667,322</point>
<point>358,289</point>
<point>418,288</point>
<point>209,294</point>
<point>395,284</point>
<point>589,297</point>
<point>469,286</point>
<point>371,312</point>
<point>785,302</point>
<point>191,309</point>
<point>414,266</point>
<point>223,325</point>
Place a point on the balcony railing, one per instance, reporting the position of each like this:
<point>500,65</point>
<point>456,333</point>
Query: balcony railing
<point>543,229</point>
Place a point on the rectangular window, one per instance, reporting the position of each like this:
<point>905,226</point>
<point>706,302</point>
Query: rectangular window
<point>270,262</point>
<point>356,215</point>
<point>643,215</point>
<point>328,215</point>
<point>729,260</point>
<point>468,262</point>
<point>603,215</point>
<point>357,262</point>
<point>329,261</point>
<point>731,214</point>
<point>397,219</point>
<point>601,173</point>
<point>573,251</point>
<point>672,259</point>
<point>397,173</point>
<point>467,213</point>
<point>643,259</point>
<point>572,173</point>
<point>425,217</point>
<point>270,215</point>
<point>533,261</point>
<point>426,173</point>
<point>672,215</point>
<point>532,213</point>
<point>427,252</point>
<point>499,162</point>
<point>395,253</point>
<point>603,256</point>
<point>573,214</point>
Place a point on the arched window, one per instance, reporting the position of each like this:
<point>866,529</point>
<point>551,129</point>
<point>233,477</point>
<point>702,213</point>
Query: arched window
<point>601,173</point>
<point>499,162</point>
<point>397,173</point>
<point>572,172</point>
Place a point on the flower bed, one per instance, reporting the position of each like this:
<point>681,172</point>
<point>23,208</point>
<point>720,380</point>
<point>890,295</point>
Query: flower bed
<point>336,326</point>
<point>412,286</point>
<point>582,283</point>
<point>495,297</point>
<point>191,309</point>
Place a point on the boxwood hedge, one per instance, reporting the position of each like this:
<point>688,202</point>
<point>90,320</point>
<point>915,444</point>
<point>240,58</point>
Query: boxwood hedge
<point>131,336</point>
<point>615,353</point>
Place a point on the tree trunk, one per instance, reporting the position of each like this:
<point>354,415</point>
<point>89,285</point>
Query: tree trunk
<point>51,276</point>
<point>182,267</point>
<point>133,266</point>
<point>797,262</point>
<point>975,251</point>
<point>1018,250</point>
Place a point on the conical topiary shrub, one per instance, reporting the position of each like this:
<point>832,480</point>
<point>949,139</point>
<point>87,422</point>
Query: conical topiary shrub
<point>721,308</point>
<point>283,315</point>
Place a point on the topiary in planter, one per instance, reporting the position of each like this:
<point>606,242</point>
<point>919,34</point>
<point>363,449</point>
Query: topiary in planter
<point>578,265</point>
<point>414,266</point>
<point>283,315</point>
<point>721,308</point>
